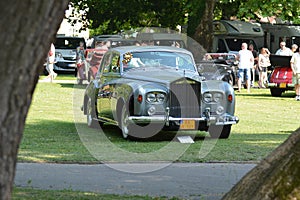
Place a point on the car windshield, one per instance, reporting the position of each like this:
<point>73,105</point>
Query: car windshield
<point>158,58</point>
<point>68,43</point>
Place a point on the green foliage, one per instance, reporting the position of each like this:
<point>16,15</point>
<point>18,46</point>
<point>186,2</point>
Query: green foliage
<point>287,10</point>
<point>195,9</point>
<point>115,15</point>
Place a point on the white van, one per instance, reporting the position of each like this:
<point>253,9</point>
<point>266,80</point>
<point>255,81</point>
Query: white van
<point>65,53</point>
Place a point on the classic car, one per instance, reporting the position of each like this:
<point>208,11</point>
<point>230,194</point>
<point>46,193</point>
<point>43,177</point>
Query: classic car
<point>219,66</point>
<point>144,89</point>
<point>281,77</point>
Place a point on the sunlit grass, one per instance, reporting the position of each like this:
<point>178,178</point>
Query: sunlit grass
<point>34,194</point>
<point>51,135</point>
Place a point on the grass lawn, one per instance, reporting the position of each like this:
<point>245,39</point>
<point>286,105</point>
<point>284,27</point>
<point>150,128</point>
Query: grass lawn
<point>56,131</point>
<point>34,194</point>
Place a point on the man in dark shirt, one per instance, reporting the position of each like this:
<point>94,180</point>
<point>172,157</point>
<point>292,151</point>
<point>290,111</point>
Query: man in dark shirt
<point>254,68</point>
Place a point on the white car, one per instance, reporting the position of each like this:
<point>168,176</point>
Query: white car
<point>65,53</point>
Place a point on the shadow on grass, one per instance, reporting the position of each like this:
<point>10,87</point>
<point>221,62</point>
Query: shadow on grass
<point>57,141</point>
<point>288,94</point>
<point>66,85</point>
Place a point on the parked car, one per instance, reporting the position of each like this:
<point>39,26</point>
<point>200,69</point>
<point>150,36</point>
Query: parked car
<point>97,40</point>
<point>281,77</point>
<point>144,89</point>
<point>65,53</point>
<point>219,66</point>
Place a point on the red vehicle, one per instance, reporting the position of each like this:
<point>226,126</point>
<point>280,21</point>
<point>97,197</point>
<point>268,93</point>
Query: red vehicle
<point>281,78</point>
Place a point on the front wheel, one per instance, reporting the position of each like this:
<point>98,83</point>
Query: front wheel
<point>219,131</point>
<point>91,114</point>
<point>124,122</point>
<point>131,130</point>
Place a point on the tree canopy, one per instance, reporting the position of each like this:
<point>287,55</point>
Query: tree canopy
<point>113,16</point>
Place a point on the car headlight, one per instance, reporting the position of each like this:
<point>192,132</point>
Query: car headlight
<point>160,97</point>
<point>207,97</point>
<point>155,97</point>
<point>212,97</point>
<point>217,97</point>
<point>151,97</point>
<point>58,55</point>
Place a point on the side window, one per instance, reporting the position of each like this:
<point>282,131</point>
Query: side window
<point>115,63</point>
<point>105,64</point>
<point>221,46</point>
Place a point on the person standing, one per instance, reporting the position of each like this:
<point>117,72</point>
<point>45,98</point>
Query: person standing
<point>50,62</point>
<point>263,64</point>
<point>81,63</point>
<point>284,51</point>
<point>254,65</point>
<point>295,65</point>
<point>294,48</point>
<point>246,60</point>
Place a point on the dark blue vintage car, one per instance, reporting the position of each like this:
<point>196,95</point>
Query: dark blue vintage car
<point>144,89</point>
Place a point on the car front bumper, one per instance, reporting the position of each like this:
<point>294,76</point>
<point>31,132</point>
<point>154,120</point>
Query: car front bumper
<point>65,66</point>
<point>281,85</point>
<point>224,119</point>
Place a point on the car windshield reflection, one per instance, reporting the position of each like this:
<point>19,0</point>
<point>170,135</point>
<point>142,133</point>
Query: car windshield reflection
<point>179,61</point>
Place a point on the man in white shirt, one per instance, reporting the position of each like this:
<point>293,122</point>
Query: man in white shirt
<point>295,65</point>
<point>246,60</point>
<point>284,51</point>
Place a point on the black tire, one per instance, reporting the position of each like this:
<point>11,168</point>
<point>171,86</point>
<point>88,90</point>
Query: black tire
<point>134,131</point>
<point>276,92</point>
<point>221,132</point>
<point>91,114</point>
<point>124,122</point>
<point>231,80</point>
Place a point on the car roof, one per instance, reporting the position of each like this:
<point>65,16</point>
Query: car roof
<point>106,37</point>
<point>159,36</point>
<point>59,36</point>
<point>125,49</point>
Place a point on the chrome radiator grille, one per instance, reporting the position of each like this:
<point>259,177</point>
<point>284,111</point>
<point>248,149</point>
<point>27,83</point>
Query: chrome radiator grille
<point>185,98</point>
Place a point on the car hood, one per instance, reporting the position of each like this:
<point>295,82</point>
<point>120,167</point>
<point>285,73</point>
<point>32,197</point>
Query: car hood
<point>160,74</point>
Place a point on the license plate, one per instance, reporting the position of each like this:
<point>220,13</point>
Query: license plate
<point>282,85</point>
<point>187,124</point>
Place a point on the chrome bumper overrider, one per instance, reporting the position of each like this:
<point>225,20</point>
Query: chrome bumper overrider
<point>224,119</point>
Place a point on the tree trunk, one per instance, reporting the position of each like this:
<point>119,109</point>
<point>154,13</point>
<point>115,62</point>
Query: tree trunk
<point>276,177</point>
<point>27,29</point>
<point>204,31</point>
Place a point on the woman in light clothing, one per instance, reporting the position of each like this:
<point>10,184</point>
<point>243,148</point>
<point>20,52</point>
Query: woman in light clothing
<point>295,65</point>
<point>263,64</point>
<point>50,62</point>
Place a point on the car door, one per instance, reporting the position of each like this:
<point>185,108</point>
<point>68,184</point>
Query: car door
<point>110,74</point>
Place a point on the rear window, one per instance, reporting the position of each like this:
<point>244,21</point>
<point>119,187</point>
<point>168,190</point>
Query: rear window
<point>235,44</point>
<point>68,43</point>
